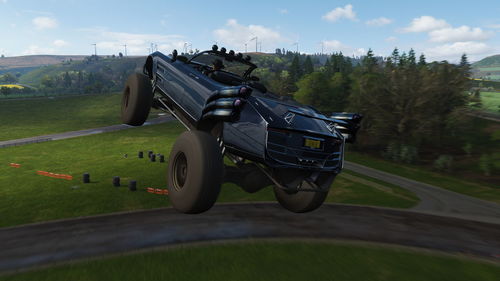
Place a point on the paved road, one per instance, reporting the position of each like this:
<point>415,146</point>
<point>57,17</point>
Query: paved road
<point>485,115</point>
<point>44,243</point>
<point>74,134</point>
<point>437,200</point>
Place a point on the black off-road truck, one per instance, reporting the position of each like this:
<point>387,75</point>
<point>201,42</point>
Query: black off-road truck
<point>227,112</point>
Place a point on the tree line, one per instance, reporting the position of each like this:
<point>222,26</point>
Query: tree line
<point>411,107</point>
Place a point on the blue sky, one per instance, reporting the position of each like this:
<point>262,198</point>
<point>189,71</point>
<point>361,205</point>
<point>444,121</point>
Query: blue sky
<point>440,29</point>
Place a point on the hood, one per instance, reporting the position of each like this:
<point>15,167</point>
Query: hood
<point>293,116</point>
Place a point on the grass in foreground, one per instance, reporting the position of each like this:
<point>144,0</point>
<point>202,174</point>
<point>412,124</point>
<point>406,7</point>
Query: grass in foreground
<point>26,197</point>
<point>290,260</point>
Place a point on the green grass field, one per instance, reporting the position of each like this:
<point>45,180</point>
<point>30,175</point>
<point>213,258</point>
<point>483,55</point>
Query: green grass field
<point>26,197</point>
<point>488,69</point>
<point>271,260</point>
<point>34,117</point>
<point>491,101</point>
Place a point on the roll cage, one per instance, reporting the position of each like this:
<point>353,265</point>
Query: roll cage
<point>230,56</point>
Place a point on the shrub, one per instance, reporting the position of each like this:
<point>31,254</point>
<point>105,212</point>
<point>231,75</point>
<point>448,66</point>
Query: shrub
<point>444,162</point>
<point>486,164</point>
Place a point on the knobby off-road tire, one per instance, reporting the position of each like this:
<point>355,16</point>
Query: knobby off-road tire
<point>136,100</point>
<point>195,172</point>
<point>300,202</point>
<point>305,201</point>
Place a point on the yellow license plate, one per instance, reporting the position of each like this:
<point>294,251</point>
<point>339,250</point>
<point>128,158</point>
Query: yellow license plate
<point>316,144</point>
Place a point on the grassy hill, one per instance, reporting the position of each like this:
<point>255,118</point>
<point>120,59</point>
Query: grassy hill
<point>490,61</point>
<point>105,65</point>
<point>487,68</point>
<point>24,64</point>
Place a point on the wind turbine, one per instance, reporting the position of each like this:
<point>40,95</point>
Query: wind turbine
<point>256,41</point>
<point>296,44</point>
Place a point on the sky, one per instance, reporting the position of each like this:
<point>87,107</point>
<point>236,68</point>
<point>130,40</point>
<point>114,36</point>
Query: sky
<point>442,30</point>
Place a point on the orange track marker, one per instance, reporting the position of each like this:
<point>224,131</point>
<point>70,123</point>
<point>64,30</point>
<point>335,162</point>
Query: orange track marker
<point>54,175</point>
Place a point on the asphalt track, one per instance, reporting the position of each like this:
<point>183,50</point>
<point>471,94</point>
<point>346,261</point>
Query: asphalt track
<point>58,241</point>
<point>436,200</point>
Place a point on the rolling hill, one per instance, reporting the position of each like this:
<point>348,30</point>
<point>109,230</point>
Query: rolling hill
<point>487,68</point>
<point>24,64</point>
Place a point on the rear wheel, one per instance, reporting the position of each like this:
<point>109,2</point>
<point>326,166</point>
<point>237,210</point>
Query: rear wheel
<point>195,172</point>
<point>305,201</point>
<point>136,100</point>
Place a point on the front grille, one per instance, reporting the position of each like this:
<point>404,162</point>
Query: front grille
<point>286,147</point>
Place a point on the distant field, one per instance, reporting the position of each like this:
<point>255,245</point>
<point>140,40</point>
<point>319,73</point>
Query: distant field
<point>33,117</point>
<point>11,86</point>
<point>267,260</point>
<point>26,197</point>
<point>34,61</point>
<point>486,69</point>
<point>491,101</point>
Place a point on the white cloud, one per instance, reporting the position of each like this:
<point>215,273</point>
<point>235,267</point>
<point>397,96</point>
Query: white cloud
<point>462,33</point>
<point>60,43</point>
<point>453,51</point>
<point>283,11</point>
<point>110,42</point>
<point>494,26</point>
<point>379,21</point>
<point>235,35</point>
<point>339,13</point>
<point>391,39</point>
<point>44,22</point>
<point>425,24</point>
<point>332,46</point>
<point>36,50</point>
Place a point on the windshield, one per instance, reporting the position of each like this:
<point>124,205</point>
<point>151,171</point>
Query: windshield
<point>232,66</point>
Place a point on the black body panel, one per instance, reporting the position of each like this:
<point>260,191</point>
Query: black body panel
<point>255,126</point>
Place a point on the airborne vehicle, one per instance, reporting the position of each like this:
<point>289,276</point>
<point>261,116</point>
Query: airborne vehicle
<point>227,112</point>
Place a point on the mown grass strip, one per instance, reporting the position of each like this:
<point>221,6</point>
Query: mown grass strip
<point>268,260</point>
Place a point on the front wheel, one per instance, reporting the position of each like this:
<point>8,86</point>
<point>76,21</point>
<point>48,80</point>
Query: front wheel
<point>195,172</point>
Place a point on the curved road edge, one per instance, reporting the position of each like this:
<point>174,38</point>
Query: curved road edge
<point>45,243</point>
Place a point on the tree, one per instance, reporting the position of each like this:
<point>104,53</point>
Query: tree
<point>3,56</point>
<point>67,80</point>
<point>421,60</point>
<point>9,78</point>
<point>313,89</point>
<point>412,58</point>
<point>369,62</point>
<point>465,65</point>
<point>295,70</point>
<point>308,65</point>
<point>5,91</point>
